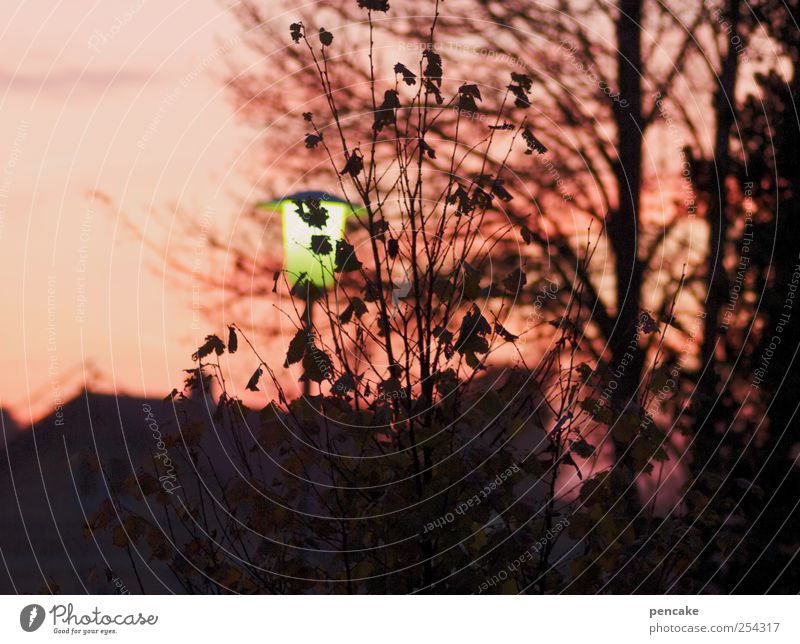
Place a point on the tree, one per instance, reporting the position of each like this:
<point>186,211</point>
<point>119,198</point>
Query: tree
<point>597,88</point>
<point>397,472</point>
<point>413,463</point>
<point>769,225</point>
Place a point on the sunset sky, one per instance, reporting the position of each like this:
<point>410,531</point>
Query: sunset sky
<point>125,99</point>
<point>121,97</point>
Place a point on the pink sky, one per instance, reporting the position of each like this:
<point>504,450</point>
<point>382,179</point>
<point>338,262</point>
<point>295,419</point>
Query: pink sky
<point>117,96</point>
<point>122,97</point>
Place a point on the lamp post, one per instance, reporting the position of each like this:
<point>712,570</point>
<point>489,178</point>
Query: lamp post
<point>299,256</point>
<point>307,220</point>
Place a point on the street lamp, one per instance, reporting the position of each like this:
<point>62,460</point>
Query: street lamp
<point>312,222</point>
<point>327,215</point>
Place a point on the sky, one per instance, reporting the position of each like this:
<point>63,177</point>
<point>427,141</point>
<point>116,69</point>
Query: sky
<point>115,118</point>
<point>120,97</point>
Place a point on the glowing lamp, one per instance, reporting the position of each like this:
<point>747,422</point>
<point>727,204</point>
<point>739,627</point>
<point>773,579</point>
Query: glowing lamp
<point>299,256</point>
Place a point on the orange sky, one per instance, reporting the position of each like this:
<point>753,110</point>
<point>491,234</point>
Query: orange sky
<point>118,96</point>
<point>122,97</point>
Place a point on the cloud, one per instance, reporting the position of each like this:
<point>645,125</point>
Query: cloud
<point>62,81</point>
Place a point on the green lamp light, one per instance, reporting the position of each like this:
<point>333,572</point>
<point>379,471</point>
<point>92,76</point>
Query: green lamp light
<point>299,258</point>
